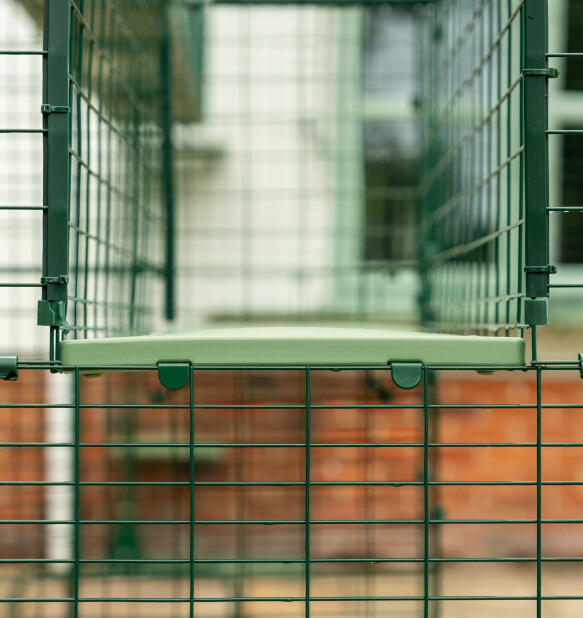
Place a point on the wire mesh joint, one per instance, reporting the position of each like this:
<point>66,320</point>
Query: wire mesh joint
<point>174,375</point>
<point>407,375</point>
<point>8,367</point>
<point>54,109</point>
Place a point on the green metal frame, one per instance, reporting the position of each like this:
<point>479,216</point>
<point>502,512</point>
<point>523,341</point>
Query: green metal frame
<point>56,176</point>
<point>528,310</point>
<point>431,519</point>
<point>500,254</point>
<point>107,128</point>
<point>516,249</point>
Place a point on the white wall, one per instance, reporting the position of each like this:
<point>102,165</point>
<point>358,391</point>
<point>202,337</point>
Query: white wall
<point>20,183</point>
<point>271,182</point>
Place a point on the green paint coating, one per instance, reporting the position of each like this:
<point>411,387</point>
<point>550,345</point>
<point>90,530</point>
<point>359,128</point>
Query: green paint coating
<point>536,154</point>
<point>56,168</point>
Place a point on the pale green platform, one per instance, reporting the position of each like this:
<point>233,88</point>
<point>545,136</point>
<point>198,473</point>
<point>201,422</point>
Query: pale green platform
<point>295,345</point>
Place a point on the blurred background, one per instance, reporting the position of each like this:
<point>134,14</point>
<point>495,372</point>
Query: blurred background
<point>298,144</point>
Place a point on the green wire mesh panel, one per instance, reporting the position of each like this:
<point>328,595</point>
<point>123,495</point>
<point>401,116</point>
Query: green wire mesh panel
<point>91,108</point>
<point>116,207</point>
<point>566,143</point>
<point>294,492</point>
<point>472,186</point>
<point>86,165</point>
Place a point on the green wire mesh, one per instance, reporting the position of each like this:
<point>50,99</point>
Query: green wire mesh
<point>116,206</point>
<point>299,491</point>
<point>472,185</point>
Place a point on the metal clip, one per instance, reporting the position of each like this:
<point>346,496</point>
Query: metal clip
<point>52,313</point>
<point>407,375</point>
<point>174,375</point>
<point>54,109</point>
<point>550,73</point>
<point>8,367</point>
<point>548,269</point>
<point>58,280</point>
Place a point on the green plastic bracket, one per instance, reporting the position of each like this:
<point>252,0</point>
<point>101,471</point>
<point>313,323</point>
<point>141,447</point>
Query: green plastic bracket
<point>536,311</point>
<point>581,364</point>
<point>407,375</point>
<point>8,367</point>
<point>52,313</point>
<point>174,375</point>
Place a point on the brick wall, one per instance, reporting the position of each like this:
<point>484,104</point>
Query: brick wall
<point>451,423</point>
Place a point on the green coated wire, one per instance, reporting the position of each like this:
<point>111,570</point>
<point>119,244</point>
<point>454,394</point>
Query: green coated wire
<point>429,599</point>
<point>426,514</point>
<point>308,484</point>
<point>115,152</point>
<point>77,498</point>
<point>191,528</point>
<point>459,187</point>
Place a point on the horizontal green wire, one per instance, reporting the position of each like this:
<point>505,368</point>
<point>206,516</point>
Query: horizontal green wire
<point>331,407</point>
<point>290,599</point>
<point>284,522</point>
<point>286,483</point>
<point>5,131</point>
<point>23,208</point>
<point>565,55</point>
<point>23,52</point>
<point>565,209</point>
<point>257,561</point>
<point>293,444</point>
<point>562,365</point>
<point>230,407</point>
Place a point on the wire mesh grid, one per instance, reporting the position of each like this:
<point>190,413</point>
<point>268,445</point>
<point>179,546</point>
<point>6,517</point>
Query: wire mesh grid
<point>301,490</point>
<point>86,226</point>
<point>472,187</point>
<point>565,136</point>
<point>117,210</point>
<point>294,491</point>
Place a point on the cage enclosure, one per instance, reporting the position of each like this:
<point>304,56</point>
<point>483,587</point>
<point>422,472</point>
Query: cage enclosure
<point>275,280</point>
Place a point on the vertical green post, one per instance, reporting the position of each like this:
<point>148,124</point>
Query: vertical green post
<point>536,158</point>
<point>56,124</point>
<point>426,550</point>
<point>538,492</point>
<point>435,510</point>
<point>77,500</point>
<point>307,558</point>
<point>191,488</point>
<point>168,162</point>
